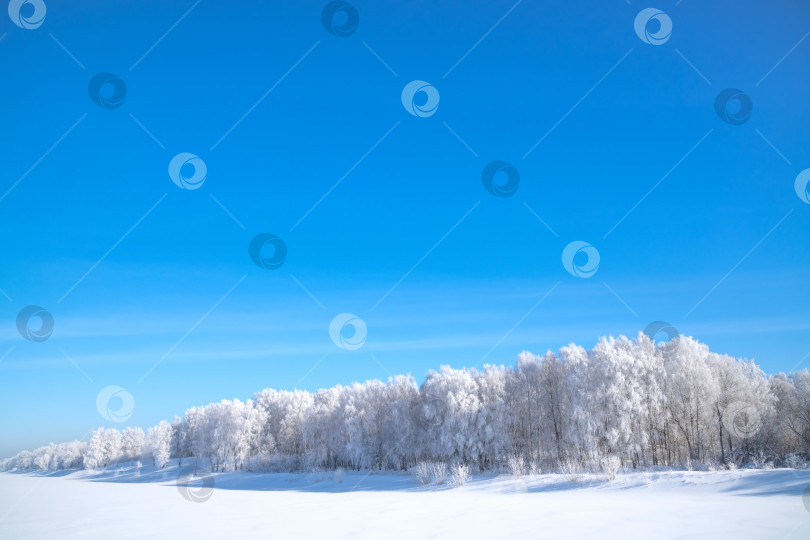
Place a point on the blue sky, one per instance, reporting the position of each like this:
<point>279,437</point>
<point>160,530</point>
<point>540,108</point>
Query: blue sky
<point>137,271</point>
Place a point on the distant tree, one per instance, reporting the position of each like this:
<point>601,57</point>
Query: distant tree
<point>159,440</point>
<point>132,441</point>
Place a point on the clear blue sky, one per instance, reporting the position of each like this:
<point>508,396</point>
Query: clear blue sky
<point>459,271</point>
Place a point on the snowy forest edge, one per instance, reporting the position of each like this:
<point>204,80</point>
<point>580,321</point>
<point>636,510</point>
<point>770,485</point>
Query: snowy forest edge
<point>626,403</point>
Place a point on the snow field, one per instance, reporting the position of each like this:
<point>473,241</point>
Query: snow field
<point>678,504</point>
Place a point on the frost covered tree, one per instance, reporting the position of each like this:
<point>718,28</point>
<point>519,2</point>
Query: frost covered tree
<point>103,448</point>
<point>159,441</point>
<point>792,410</point>
<point>132,441</point>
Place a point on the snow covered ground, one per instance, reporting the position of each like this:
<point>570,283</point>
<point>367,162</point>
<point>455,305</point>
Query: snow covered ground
<point>678,504</point>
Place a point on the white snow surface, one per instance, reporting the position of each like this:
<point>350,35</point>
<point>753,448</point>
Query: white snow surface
<point>133,503</point>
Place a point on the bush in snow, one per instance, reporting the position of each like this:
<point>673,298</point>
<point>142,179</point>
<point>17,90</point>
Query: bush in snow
<point>792,461</point>
<point>319,475</point>
<point>284,463</point>
<point>426,472</point>
<point>571,468</point>
<point>438,472</point>
<point>338,475</point>
<point>459,474</point>
<point>610,465</point>
<point>421,472</point>
<point>517,465</point>
<point>259,463</point>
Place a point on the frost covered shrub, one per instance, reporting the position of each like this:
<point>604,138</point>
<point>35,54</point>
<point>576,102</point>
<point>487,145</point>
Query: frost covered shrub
<point>338,475</point>
<point>284,463</point>
<point>438,472</point>
<point>792,461</point>
<point>459,474</point>
<point>421,472</point>
<point>610,465</point>
<point>516,465</point>
<point>259,463</point>
<point>318,474</point>
<point>534,468</point>
<point>430,472</point>
<point>571,468</point>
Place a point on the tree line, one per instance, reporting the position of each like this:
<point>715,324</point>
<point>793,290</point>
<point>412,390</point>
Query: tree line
<point>633,402</point>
